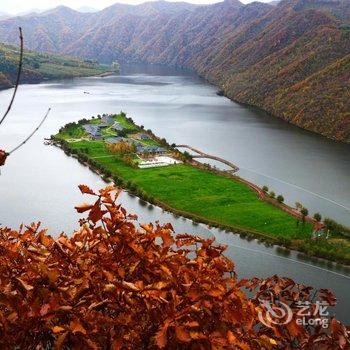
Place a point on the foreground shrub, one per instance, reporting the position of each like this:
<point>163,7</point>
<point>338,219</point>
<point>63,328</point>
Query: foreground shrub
<point>115,286</point>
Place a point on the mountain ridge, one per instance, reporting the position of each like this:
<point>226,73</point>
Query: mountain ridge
<point>255,53</point>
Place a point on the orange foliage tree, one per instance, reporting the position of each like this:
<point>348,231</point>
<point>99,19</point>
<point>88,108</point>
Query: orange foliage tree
<point>113,285</point>
<point>122,147</point>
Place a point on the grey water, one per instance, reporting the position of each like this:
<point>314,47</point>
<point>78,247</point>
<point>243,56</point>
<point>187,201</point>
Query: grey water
<point>39,183</point>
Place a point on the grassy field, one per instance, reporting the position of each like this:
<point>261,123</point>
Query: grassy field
<point>126,123</point>
<point>202,193</point>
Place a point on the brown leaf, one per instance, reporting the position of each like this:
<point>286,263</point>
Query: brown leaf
<point>96,213</point>
<point>294,329</point>
<point>44,309</point>
<point>24,284</point>
<point>161,336</point>
<point>147,227</point>
<point>66,242</point>
<point>130,286</point>
<point>116,344</point>
<point>60,340</point>
<point>83,207</point>
<point>86,189</point>
<point>3,156</point>
<point>98,304</point>
<point>167,238</point>
<point>328,296</point>
<point>197,335</point>
<point>216,292</point>
<point>182,334</point>
<point>45,240</point>
<point>13,316</point>
<point>76,327</point>
<point>339,331</point>
<point>57,329</point>
<point>158,285</point>
<point>109,287</point>
<point>231,337</point>
<point>166,270</point>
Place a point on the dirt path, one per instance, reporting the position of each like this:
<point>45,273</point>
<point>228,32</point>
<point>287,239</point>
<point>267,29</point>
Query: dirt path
<point>205,155</point>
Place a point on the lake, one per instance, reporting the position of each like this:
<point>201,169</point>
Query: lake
<point>39,183</point>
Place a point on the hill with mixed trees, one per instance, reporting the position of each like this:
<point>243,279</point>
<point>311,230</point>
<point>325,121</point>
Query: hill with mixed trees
<point>42,66</point>
<point>291,59</point>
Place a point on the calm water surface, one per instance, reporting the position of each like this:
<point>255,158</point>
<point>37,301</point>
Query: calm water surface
<point>40,182</point>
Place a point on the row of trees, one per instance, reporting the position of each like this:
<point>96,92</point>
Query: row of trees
<point>272,194</point>
<point>303,210</point>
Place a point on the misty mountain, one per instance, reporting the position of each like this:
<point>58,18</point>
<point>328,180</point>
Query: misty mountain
<point>291,59</point>
<point>87,9</point>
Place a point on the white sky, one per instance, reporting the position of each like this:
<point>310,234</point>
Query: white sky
<point>17,6</point>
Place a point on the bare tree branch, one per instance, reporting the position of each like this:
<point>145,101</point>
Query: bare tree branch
<point>32,134</point>
<point>20,63</point>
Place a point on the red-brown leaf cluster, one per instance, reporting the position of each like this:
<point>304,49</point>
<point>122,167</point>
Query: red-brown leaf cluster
<point>3,156</point>
<point>113,285</point>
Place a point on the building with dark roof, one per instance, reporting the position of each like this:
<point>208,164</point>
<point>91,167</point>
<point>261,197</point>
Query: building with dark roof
<point>116,139</point>
<point>144,137</point>
<point>92,130</point>
<point>150,149</point>
<point>106,119</point>
<point>117,127</point>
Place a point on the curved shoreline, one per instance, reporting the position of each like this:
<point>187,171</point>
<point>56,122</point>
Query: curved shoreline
<point>226,93</point>
<point>261,194</point>
<point>235,229</point>
<point>234,167</point>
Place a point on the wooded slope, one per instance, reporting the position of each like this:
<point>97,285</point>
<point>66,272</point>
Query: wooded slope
<point>258,53</point>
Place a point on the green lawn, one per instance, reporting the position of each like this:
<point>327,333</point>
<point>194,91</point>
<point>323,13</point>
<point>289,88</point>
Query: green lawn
<point>52,70</point>
<point>149,142</point>
<point>108,132</point>
<point>73,132</point>
<point>203,193</point>
<point>125,123</point>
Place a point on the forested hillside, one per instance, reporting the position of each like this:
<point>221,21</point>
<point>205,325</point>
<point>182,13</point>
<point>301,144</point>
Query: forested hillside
<point>282,58</point>
<point>39,66</point>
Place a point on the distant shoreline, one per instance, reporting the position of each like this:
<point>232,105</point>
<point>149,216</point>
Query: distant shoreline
<point>106,74</point>
<point>48,79</point>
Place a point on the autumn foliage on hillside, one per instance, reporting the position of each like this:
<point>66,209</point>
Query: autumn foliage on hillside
<point>291,59</point>
<point>113,285</point>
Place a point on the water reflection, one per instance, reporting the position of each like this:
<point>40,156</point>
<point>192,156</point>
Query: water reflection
<point>39,183</point>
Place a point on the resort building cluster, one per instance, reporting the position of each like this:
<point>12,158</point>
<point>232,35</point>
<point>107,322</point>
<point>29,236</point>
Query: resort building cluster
<point>144,144</point>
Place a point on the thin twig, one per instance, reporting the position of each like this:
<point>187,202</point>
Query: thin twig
<point>29,137</point>
<point>18,77</point>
